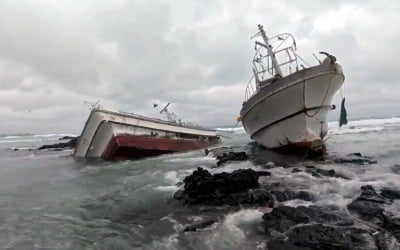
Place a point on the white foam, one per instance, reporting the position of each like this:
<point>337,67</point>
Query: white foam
<point>355,130</point>
<point>233,221</point>
<point>297,203</point>
<point>21,148</point>
<point>191,159</point>
<point>170,188</point>
<point>26,140</point>
<point>13,136</point>
<point>368,122</point>
<point>53,135</point>
<point>236,130</point>
<point>172,177</point>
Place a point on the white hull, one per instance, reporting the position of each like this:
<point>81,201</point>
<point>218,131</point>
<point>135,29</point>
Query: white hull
<point>293,110</point>
<point>103,126</point>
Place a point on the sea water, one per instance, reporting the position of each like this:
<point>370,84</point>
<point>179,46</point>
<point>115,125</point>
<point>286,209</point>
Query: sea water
<point>49,200</point>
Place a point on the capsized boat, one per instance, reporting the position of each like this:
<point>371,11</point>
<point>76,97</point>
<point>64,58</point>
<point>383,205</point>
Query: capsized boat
<point>118,135</point>
<point>286,103</point>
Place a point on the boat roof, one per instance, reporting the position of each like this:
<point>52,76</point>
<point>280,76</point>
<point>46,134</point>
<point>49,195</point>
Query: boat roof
<point>132,115</point>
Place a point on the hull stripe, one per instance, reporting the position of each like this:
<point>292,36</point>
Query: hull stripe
<point>287,117</point>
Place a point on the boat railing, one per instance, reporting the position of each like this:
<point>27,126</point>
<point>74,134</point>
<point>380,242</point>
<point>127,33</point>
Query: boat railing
<point>251,88</point>
<point>133,115</point>
<point>274,58</point>
<point>262,62</point>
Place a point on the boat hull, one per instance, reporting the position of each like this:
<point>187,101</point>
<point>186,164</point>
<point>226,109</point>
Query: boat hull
<point>115,135</point>
<point>293,111</point>
<point>135,147</point>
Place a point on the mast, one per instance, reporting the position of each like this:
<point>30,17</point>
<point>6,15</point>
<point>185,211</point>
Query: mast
<point>270,52</point>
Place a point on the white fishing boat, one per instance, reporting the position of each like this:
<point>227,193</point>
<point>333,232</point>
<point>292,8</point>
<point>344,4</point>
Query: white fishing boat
<point>286,103</point>
<point>115,135</point>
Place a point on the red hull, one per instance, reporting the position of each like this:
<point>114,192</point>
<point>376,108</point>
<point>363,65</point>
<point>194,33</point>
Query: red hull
<point>136,147</point>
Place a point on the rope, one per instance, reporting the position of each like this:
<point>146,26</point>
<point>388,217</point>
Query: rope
<point>323,100</point>
<point>237,123</point>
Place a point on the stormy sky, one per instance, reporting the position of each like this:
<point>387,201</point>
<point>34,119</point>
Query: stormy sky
<point>56,55</point>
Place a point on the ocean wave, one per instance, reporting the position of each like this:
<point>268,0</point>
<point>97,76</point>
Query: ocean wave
<point>166,188</point>
<point>368,122</point>
<point>15,136</point>
<point>53,135</point>
<point>25,140</point>
<point>21,148</point>
<point>235,130</point>
<point>352,126</point>
<point>355,130</point>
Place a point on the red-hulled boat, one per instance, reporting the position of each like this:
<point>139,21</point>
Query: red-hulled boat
<point>118,135</point>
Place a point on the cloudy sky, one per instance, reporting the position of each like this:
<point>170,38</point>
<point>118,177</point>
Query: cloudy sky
<point>55,55</point>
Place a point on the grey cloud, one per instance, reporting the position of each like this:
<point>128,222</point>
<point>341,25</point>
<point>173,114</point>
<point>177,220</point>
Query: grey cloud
<point>196,54</point>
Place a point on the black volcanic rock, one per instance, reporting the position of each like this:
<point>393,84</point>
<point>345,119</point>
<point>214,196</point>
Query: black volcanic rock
<point>316,227</point>
<point>67,137</point>
<point>283,217</point>
<point>326,237</point>
<point>291,195</point>
<point>231,156</point>
<point>372,208</point>
<point>356,158</point>
<point>318,172</point>
<point>239,187</point>
<point>199,225</point>
<point>369,205</point>
<point>62,145</point>
<point>390,193</point>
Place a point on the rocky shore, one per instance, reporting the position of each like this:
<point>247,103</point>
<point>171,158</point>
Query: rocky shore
<point>367,222</point>
<point>70,143</point>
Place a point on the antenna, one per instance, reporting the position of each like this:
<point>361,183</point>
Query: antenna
<point>317,58</point>
<point>92,105</point>
<point>165,108</point>
<point>270,51</point>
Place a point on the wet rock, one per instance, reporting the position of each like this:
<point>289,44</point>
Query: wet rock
<point>260,196</point>
<point>366,208</point>
<point>392,223</point>
<point>296,170</point>
<point>287,195</point>
<point>356,158</point>
<point>319,173</point>
<point>199,225</point>
<point>369,205</point>
<point>305,196</point>
<point>310,167</point>
<point>284,195</point>
<point>239,187</point>
<point>369,194</point>
<point>326,215</point>
<point>315,227</point>
<point>390,193</point>
<point>231,156</point>
<point>62,145</point>
<point>67,137</point>
<point>283,217</point>
<point>319,236</point>
<point>179,195</point>
<point>385,241</point>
